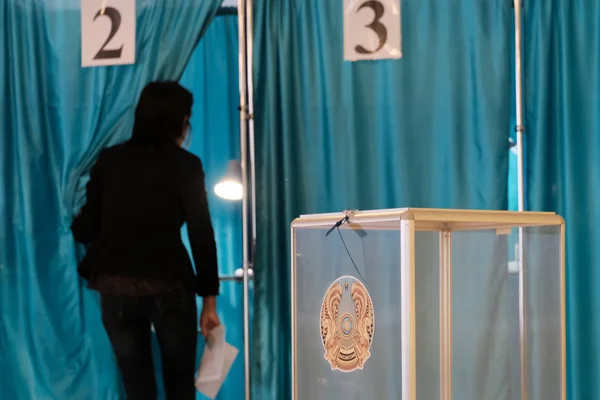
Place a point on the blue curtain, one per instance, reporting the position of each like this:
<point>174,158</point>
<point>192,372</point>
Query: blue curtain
<point>429,130</point>
<point>55,119</point>
<point>212,76</point>
<point>562,85</point>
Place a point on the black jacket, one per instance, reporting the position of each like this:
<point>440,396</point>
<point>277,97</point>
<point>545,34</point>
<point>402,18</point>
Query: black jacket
<point>138,197</point>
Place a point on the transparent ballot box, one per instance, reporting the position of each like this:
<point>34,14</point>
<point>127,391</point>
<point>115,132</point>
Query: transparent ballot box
<point>428,304</point>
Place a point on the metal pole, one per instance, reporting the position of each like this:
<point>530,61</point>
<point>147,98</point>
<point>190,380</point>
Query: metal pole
<point>250,84</point>
<point>242,52</point>
<point>519,107</point>
<point>520,193</point>
<point>252,178</point>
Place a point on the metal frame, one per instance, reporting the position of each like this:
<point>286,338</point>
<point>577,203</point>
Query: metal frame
<point>293,292</point>
<point>563,312</point>
<point>445,221</point>
<point>407,303</point>
<point>520,129</point>
<point>520,195</point>
<point>245,43</point>
<point>445,315</point>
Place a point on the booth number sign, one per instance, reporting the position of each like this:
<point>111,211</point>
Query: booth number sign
<point>372,30</point>
<point>107,32</point>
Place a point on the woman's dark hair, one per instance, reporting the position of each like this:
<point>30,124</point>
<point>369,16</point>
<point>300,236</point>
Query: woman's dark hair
<point>162,112</point>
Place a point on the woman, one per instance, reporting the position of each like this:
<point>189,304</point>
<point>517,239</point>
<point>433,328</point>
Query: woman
<point>139,195</point>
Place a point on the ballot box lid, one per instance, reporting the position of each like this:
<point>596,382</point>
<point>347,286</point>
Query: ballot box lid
<point>429,219</point>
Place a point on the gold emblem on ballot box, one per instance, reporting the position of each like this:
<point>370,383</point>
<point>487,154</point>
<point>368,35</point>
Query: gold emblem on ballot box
<point>347,324</point>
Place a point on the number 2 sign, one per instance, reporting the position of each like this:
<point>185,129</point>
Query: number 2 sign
<point>107,32</point>
<point>372,30</point>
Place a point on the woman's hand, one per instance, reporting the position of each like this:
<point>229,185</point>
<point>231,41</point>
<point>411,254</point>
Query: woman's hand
<point>208,318</point>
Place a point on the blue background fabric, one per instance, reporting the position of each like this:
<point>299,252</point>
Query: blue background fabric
<point>562,79</point>
<point>429,130</point>
<point>55,119</point>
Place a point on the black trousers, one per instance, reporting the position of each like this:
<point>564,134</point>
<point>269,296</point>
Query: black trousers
<point>128,320</point>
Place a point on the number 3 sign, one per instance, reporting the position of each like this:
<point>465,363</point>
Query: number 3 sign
<point>372,30</point>
<point>107,32</point>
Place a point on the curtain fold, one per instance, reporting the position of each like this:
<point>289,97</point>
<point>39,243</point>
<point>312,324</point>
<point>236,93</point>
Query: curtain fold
<point>429,130</point>
<point>55,119</point>
<point>562,89</point>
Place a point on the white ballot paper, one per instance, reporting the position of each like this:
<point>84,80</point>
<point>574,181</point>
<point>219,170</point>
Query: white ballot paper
<point>217,359</point>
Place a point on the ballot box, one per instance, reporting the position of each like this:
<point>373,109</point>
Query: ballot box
<point>428,304</point>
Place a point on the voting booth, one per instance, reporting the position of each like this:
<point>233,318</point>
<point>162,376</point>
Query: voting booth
<point>428,304</point>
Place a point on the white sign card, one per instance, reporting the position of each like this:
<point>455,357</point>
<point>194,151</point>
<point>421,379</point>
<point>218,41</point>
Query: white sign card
<point>107,32</point>
<point>372,30</point>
